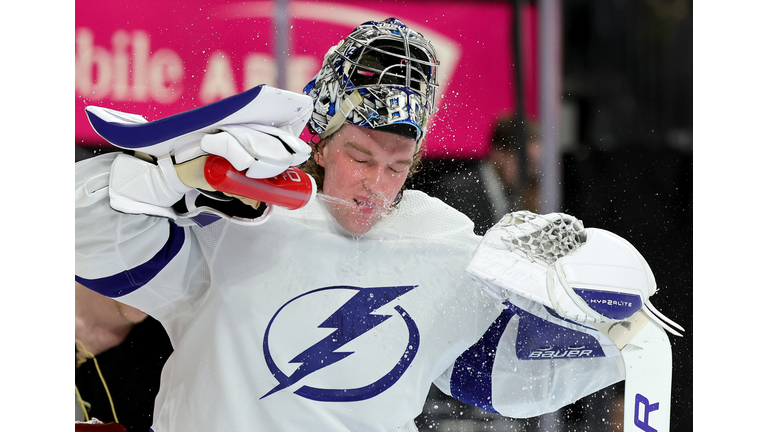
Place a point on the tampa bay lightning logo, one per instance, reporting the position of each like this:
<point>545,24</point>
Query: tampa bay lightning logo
<point>357,316</point>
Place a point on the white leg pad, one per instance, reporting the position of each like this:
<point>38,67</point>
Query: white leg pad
<point>648,385</point>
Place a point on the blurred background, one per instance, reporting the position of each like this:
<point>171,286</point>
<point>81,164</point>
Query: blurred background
<point>587,106</point>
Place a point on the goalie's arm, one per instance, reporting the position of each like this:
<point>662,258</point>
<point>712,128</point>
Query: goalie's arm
<point>119,254</point>
<point>524,366</point>
<point>101,323</point>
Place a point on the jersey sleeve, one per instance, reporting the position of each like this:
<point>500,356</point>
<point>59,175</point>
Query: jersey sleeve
<point>528,364</point>
<point>146,262</point>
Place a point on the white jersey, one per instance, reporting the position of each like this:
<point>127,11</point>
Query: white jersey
<point>297,325</point>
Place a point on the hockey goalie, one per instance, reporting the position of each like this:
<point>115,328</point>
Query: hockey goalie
<point>336,306</point>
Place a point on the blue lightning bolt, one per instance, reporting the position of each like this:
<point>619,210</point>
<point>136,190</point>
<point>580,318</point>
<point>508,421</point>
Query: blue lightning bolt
<point>351,320</point>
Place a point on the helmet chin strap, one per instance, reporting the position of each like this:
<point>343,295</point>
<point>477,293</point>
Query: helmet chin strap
<point>347,105</point>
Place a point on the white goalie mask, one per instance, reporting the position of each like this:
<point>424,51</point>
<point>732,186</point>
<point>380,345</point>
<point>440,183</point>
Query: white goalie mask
<point>382,76</point>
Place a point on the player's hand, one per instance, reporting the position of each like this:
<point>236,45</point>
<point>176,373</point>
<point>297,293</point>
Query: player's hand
<point>245,200</point>
<point>101,323</point>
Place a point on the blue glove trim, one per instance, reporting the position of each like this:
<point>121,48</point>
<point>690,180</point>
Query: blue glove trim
<point>538,339</point>
<point>142,135</point>
<point>611,304</point>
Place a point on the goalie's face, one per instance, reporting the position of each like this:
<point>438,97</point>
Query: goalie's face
<point>364,171</point>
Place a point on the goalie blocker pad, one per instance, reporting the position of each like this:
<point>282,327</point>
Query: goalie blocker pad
<point>181,133</point>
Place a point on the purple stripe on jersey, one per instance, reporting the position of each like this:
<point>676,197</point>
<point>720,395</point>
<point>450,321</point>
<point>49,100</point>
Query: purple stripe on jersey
<point>471,376</point>
<point>130,280</point>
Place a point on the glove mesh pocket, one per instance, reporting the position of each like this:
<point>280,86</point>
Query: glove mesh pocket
<point>542,238</point>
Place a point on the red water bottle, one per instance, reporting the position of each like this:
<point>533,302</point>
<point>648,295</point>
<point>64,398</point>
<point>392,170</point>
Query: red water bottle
<point>291,189</point>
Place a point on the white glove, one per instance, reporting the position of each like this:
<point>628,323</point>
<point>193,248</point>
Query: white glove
<point>255,130</point>
<point>585,275</point>
<point>139,186</point>
<point>264,151</point>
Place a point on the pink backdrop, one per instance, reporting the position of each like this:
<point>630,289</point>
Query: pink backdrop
<point>157,58</point>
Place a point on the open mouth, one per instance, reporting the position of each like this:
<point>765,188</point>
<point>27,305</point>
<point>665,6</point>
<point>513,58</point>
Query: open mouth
<point>363,204</point>
<point>360,204</point>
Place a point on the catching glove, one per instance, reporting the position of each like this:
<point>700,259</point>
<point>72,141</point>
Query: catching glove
<point>586,275</point>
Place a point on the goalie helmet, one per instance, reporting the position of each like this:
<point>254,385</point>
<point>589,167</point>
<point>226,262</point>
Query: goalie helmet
<point>382,76</point>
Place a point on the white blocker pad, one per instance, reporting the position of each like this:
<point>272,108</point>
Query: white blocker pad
<point>180,133</point>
